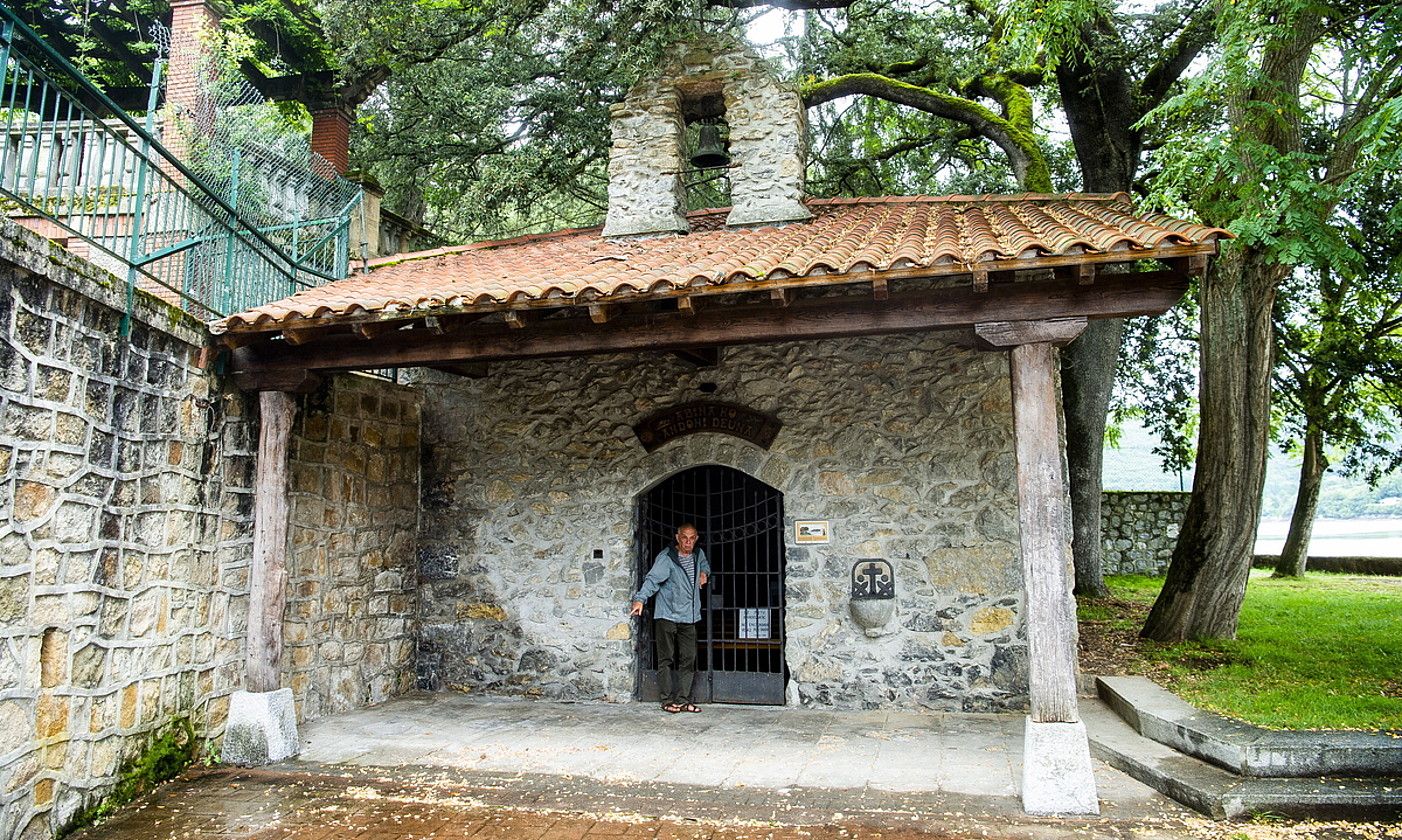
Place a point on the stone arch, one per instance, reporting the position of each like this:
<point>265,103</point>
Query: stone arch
<point>703,448</point>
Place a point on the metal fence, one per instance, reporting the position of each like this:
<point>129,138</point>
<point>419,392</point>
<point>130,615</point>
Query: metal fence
<point>110,190</point>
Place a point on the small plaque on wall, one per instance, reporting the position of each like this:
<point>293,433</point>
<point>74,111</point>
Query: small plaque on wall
<point>811,531</point>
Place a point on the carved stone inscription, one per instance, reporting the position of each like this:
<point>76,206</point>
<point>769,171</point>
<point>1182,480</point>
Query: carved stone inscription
<point>705,416</point>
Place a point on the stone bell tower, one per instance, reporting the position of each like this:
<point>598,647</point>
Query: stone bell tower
<point>706,79</point>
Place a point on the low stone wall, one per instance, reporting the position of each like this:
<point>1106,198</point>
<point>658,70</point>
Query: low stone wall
<point>350,626</point>
<point>1139,530</point>
<point>124,531</point>
<point>1344,565</point>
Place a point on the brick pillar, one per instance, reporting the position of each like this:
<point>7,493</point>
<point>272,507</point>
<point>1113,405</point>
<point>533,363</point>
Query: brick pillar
<point>331,138</point>
<point>189,109</point>
<point>188,116</point>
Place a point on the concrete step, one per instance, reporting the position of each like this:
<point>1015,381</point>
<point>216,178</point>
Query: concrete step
<point>1245,749</point>
<point>1217,793</point>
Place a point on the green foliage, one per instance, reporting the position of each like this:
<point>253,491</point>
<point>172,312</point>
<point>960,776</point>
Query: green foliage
<point>1052,31</point>
<point>85,27</point>
<point>1158,383</point>
<point>1337,326</point>
<point>170,752</point>
<point>288,37</point>
<point>496,119</point>
<point>1318,652</point>
<point>870,146</point>
<point>1288,139</point>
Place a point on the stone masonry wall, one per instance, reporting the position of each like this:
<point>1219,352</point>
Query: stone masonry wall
<point>349,631</point>
<point>1139,530</point>
<point>903,442</point>
<point>124,532</point>
<point>126,535</point>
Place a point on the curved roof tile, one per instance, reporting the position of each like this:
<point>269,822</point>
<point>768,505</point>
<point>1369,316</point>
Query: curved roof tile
<point>905,233</point>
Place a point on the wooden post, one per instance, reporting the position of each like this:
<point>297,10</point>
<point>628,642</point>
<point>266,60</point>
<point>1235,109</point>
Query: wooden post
<point>267,586</point>
<point>1046,539</point>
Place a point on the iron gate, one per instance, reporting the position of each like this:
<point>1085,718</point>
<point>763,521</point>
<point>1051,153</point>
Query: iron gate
<point>740,640</point>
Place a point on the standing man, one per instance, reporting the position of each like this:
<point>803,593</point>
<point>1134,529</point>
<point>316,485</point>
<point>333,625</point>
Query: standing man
<point>676,576</point>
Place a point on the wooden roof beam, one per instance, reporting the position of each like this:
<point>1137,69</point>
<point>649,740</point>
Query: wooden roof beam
<point>1191,266</point>
<point>699,357</point>
<point>448,324</point>
<point>467,370</point>
<point>305,334</point>
<point>1115,296</point>
<point>1000,335</point>
<point>1082,273</point>
<point>368,330</point>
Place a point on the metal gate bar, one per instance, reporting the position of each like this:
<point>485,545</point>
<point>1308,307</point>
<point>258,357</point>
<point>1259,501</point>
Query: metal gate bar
<point>740,641</point>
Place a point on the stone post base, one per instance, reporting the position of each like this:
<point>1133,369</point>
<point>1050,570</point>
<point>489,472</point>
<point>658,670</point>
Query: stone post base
<point>1056,772</point>
<point>262,728</point>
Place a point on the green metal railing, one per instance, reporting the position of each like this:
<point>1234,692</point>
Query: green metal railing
<point>122,199</point>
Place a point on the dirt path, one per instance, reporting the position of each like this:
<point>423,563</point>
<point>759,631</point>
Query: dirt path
<point>281,805</point>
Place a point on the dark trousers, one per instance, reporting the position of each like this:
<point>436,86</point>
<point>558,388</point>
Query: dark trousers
<point>676,660</point>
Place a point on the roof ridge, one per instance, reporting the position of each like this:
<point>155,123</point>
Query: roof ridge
<point>971,199</point>
<point>480,245</point>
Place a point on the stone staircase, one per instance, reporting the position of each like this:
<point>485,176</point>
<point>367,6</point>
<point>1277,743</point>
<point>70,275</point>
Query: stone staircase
<point>1227,769</point>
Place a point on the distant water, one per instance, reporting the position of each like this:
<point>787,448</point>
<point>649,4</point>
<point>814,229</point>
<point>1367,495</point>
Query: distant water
<point>1337,537</point>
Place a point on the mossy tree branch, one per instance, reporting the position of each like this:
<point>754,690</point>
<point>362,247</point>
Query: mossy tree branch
<point>1011,133</point>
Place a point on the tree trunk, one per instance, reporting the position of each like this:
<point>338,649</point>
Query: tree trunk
<point>1101,113</point>
<point>1295,555</point>
<point>1206,579</point>
<point>1088,379</point>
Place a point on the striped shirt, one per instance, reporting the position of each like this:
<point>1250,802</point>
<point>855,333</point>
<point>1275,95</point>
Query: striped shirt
<point>688,564</point>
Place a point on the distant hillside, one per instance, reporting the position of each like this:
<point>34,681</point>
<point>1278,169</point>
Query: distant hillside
<point>1134,466</point>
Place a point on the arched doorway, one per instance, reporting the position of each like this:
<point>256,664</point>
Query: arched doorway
<point>740,641</point>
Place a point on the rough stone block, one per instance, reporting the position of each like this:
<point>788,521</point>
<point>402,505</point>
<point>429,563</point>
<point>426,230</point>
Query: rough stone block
<point>1056,771</point>
<point>261,729</point>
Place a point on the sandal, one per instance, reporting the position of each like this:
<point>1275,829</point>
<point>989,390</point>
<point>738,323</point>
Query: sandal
<point>671,708</point>
<point>689,707</point>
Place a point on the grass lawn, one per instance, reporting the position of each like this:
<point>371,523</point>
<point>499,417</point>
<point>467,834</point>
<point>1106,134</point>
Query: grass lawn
<point>1324,652</point>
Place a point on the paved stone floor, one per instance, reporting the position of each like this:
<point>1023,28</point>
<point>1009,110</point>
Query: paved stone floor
<point>449,766</point>
<point>724,746</point>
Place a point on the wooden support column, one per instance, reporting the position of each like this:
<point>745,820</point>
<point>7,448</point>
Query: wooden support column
<point>1056,771</point>
<point>267,587</point>
<point>1044,519</point>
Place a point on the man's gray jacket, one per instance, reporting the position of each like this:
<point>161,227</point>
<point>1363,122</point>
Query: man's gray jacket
<point>678,595</point>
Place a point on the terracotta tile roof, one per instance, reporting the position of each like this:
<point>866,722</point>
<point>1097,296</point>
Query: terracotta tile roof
<point>900,236</point>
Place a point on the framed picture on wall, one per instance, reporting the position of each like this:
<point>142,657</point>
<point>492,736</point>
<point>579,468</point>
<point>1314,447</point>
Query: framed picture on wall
<point>812,531</point>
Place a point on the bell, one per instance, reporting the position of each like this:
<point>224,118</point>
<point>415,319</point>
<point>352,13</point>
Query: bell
<point>710,151</point>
